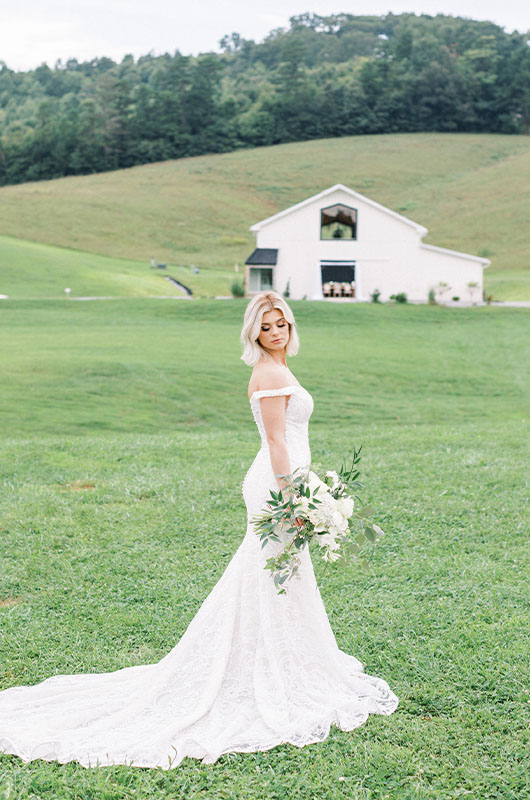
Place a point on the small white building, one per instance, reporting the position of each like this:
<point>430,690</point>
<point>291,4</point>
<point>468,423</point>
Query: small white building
<point>341,244</point>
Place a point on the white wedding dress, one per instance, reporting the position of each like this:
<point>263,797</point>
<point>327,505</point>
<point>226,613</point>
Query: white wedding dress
<point>253,670</point>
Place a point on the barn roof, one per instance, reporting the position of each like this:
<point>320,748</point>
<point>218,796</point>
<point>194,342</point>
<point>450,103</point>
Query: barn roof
<point>484,261</point>
<point>420,229</point>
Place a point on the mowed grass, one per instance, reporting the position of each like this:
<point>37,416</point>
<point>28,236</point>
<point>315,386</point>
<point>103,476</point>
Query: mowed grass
<point>126,437</point>
<point>156,365</point>
<point>471,191</point>
<point>33,270</point>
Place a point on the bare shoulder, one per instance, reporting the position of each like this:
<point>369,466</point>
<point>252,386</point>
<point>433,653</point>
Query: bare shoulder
<point>267,375</point>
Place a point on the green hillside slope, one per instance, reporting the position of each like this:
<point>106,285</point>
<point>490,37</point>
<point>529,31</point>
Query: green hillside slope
<point>471,191</point>
<point>34,270</point>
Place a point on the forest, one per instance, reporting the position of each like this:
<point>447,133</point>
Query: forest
<point>324,76</point>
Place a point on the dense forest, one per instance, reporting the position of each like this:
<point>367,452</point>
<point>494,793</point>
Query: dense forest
<point>324,76</point>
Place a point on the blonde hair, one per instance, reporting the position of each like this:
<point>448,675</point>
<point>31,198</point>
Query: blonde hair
<point>257,307</point>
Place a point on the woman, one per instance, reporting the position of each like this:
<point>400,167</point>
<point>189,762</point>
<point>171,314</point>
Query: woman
<point>254,669</point>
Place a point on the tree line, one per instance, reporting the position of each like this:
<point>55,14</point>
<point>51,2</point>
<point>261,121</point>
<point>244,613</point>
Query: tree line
<point>321,77</point>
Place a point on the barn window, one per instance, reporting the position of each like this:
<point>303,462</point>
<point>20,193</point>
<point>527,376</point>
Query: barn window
<point>259,279</point>
<point>338,222</point>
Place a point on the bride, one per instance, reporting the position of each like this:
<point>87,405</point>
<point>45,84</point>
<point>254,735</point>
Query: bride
<point>254,669</point>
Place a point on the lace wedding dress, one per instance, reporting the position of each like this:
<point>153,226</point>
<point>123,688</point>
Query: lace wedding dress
<point>253,670</point>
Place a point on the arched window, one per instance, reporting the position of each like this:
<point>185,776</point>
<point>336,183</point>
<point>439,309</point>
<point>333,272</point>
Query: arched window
<point>338,222</point>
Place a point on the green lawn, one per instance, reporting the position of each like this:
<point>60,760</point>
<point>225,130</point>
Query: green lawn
<point>471,191</point>
<point>126,435</point>
<point>32,270</point>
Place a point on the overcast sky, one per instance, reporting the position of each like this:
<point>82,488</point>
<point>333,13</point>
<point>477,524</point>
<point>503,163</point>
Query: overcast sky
<point>34,31</point>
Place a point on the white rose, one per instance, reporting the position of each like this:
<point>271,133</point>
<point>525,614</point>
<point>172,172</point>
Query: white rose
<point>320,527</point>
<point>334,477</point>
<point>339,521</point>
<point>328,540</point>
<point>313,479</point>
<point>345,506</point>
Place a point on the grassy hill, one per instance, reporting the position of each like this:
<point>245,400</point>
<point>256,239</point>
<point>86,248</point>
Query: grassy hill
<point>34,270</point>
<point>471,191</point>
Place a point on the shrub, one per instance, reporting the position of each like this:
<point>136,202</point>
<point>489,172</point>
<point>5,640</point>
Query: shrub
<point>400,297</point>
<point>455,299</point>
<point>432,297</point>
<point>442,288</point>
<point>375,296</point>
<point>238,288</point>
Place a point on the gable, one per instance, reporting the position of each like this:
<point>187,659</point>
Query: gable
<point>340,194</point>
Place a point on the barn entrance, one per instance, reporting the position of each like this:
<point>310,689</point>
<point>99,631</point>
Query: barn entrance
<point>338,278</point>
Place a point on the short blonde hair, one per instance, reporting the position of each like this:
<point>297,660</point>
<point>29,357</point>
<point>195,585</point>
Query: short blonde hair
<point>257,307</point>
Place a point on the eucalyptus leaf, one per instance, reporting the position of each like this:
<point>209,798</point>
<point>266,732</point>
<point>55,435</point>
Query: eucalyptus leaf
<point>367,511</point>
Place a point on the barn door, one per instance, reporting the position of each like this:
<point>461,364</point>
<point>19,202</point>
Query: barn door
<point>338,278</point>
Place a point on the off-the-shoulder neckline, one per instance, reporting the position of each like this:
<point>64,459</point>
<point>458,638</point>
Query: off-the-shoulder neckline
<point>281,389</point>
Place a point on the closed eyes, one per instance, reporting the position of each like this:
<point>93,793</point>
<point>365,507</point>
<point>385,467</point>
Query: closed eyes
<point>280,325</point>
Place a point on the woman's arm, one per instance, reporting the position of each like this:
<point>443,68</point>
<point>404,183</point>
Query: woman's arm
<point>273,416</point>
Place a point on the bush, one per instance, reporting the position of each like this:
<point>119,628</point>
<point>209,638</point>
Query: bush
<point>432,297</point>
<point>455,299</point>
<point>375,296</point>
<point>400,297</point>
<point>238,288</point>
<point>442,288</point>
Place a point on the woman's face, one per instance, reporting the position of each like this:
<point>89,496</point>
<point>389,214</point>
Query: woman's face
<point>274,333</point>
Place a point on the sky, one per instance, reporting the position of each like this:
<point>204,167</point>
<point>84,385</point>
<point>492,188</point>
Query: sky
<point>37,31</point>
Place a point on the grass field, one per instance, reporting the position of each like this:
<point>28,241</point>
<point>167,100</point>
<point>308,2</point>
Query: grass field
<point>471,191</point>
<point>33,270</point>
<point>126,434</point>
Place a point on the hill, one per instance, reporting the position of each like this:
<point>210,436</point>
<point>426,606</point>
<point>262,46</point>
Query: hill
<point>324,76</point>
<point>471,190</point>
<point>34,270</point>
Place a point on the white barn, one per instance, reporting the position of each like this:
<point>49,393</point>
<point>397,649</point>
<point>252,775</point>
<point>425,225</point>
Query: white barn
<point>340,243</point>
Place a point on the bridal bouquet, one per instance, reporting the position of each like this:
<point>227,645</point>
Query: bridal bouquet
<point>313,507</point>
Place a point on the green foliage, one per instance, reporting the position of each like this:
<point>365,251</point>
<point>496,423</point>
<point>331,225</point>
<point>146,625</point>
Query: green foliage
<point>432,296</point>
<point>110,542</point>
<point>237,288</point>
<point>400,297</point>
<point>155,210</point>
<point>287,512</point>
<point>375,295</point>
<point>322,77</point>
